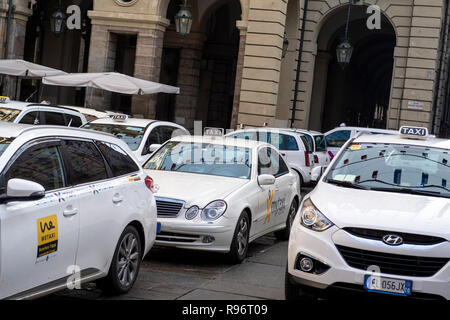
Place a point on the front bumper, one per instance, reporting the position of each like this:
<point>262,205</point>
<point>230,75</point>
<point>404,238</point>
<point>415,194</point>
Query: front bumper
<point>322,247</point>
<point>216,236</point>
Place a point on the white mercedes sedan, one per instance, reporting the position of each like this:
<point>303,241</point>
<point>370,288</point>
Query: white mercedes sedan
<point>218,194</point>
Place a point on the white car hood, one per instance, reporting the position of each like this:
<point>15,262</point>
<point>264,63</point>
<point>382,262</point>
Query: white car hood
<point>388,211</point>
<point>194,189</point>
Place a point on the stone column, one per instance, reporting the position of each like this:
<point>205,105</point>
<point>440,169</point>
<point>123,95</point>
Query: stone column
<point>148,67</point>
<point>189,80</point>
<point>242,26</point>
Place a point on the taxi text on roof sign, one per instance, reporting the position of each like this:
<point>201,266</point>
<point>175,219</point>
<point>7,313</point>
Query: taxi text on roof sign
<point>118,117</point>
<point>214,131</point>
<point>414,131</point>
<point>4,99</point>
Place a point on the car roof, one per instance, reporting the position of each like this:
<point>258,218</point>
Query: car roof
<point>21,105</point>
<point>138,122</point>
<point>397,139</point>
<point>243,143</point>
<point>310,132</point>
<point>12,130</point>
<point>364,129</point>
<point>284,130</point>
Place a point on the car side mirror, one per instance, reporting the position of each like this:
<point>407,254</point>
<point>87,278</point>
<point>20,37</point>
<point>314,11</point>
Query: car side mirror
<point>154,147</point>
<point>316,173</point>
<point>266,180</point>
<point>24,190</point>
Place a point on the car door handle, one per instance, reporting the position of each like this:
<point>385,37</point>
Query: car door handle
<point>70,212</point>
<point>117,198</point>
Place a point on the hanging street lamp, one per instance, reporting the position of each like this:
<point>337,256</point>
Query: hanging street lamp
<point>345,49</point>
<point>58,22</point>
<point>183,20</point>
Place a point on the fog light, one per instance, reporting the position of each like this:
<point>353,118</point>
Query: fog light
<point>208,239</point>
<point>306,264</point>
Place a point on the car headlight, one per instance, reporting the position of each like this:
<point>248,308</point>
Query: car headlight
<point>214,210</point>
<point>312,218</point>
<point>191,213</point>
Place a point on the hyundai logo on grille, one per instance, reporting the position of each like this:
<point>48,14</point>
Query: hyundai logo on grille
<point>392,239</point>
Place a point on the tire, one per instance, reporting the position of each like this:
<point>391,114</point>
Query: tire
<point>295,291</point>
<point>284,234</point>
<point>125,264</point>
<point>239,245</point>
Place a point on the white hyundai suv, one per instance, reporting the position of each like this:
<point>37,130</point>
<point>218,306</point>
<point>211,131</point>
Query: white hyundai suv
<point>75,206</point>
<point>377,222</point>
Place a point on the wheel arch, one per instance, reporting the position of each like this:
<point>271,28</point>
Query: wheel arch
<point>140,229</point>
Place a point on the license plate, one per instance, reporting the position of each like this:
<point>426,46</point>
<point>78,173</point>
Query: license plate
<point>387,285</point>
<point>158,227</point>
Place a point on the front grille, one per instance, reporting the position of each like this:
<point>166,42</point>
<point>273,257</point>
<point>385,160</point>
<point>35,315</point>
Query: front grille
<point>176,237</point>
<point>168,208</point>
<point>408,238</point>
<point>392,263</point>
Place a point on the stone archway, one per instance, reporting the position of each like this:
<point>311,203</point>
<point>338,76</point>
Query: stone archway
<point>360,94</point>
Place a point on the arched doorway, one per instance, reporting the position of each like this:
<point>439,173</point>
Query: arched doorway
<point>68,52</point>
<point>358,95</point>
<point>203,65</point>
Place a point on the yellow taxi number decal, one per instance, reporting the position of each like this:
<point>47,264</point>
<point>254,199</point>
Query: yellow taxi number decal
<point>47,235</point>
<point>355,147</point>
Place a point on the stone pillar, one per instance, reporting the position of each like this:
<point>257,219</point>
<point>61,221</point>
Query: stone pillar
<point>319,90</point>
<point>148,67</point>
<point>242,26</point>
<point>149,30</point>
<point>262,62</point>
<point>189,80</point>
<point>16,38</point>
<point>415,65</point>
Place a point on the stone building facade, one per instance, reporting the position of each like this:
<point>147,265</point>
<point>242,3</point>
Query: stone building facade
<point>232,70</point>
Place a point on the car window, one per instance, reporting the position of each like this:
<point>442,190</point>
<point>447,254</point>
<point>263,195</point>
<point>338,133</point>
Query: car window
<point>167,132</point>
<point>288,143</point>
<point>310,141</point>
<point>131,135</point>
<point>86,162</point>
<point>245,135</point>
<point>119,161</point>
<point>308,146</point>
<point>202,158</point>
<point>73,121</point>
<point>155,137</point>
<point>270,162</point>
<point>338,138</point>
<point>30,118</point>
<point>4,144</point>
<point>54,118</point>
<point>8,114</point>
<point>41,165</point>
<point>321,144</point>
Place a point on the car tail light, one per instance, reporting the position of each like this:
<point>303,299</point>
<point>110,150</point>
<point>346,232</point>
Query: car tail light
<point>316,159</point>
<point>307,159</point>
<point>150,184</point>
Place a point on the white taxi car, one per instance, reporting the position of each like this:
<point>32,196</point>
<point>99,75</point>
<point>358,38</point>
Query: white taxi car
<point>143,136</point>
<point>378,221</point>
<point>39,114</point>
<point>219,194</point>
<point>74,207</point>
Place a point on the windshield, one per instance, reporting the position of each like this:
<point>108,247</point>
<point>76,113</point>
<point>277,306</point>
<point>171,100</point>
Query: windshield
<point>321,144</point>
<point>4,144</point>
<point>132,136</point>
<point>8,114</point>
<point>202,158</point>
<point>394,168</point>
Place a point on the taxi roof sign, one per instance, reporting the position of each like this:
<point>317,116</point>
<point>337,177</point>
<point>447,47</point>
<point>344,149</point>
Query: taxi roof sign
<point>4,99</point>
<point>414,132</point>
<point>118,117</point>
<point>217,132</point>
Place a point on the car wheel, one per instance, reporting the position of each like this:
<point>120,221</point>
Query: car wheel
<point>295,291</point>
<point>284,234</point>
<point>239,245</point>
<point>125,265</point>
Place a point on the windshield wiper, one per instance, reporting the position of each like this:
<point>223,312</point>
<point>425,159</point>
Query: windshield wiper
<point>413,191</point>
<point>347,184</point>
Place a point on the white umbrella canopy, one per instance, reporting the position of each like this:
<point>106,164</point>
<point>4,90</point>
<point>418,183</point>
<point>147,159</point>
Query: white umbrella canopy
<point>22,68</point>
<point>111,81</point>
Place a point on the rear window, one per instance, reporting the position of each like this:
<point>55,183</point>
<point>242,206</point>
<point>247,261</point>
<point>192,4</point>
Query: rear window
<point>321,144</point>
<point>307,144</point>
<point>338,138</point>
<point>119,161</point>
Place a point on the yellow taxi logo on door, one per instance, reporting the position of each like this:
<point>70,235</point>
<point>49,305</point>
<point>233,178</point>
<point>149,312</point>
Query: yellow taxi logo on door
<point>269,205</point>
<point>47,235</point>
